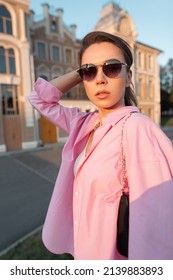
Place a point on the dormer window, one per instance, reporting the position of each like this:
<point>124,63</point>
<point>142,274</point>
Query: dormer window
<point>53,26</point>
<point>5,20</point>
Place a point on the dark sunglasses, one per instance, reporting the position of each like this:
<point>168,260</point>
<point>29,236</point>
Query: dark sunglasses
<point>111,68</point>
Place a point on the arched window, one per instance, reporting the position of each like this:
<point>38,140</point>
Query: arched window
<point>43,77</point>
<point>5,20</point>
<point>7,61</point>
<point>43,72</point>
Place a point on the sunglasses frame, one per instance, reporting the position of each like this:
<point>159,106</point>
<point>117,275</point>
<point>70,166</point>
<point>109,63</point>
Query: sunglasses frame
<point>107,62</point>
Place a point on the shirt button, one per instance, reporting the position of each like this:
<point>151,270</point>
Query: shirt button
<point>76,193</point>
<point>75,222</point>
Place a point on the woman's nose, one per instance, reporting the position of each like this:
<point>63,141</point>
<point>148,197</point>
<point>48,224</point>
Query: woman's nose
<point>100,77</point>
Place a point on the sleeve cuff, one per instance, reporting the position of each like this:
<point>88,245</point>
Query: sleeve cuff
<point>46,91</point>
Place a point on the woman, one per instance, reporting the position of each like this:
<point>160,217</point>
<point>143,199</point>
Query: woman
<point>82,215</point>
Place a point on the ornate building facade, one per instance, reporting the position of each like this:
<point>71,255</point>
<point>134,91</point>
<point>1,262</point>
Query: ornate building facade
<point>146,74</point>
<point>56,52</point>
<point>49,49</point>
<point>16,115</point>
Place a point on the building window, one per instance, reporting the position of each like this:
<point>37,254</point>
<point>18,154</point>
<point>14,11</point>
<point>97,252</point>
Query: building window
<point>78,57</point>
<point>53,26</point>
<point>68,56</point>
<point>44,77</point>
<point>7,61</point>
<point>139,59</point>
<point>149,88</point>
<point>9,100</point>
<point>11,60</point>
<point>139,87</point>
<point>150,113</point>
<point>56,53</point>
<point>5,20</point>
<point>41,50</point>
<point>150,62</point>
<point>2,61</point>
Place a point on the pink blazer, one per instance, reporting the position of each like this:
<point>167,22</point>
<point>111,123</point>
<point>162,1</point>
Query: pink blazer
<point>149,164</point>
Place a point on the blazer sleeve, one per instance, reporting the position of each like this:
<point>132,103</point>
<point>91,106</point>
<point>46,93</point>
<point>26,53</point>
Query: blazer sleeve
<point>149,164</point>
<point>45,99</point>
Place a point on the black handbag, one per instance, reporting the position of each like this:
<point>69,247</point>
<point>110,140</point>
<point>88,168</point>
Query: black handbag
<point>123,225</point>
<point>123,211</point>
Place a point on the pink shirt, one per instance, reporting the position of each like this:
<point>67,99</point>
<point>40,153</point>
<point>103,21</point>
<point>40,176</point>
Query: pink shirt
<point>82,214</point>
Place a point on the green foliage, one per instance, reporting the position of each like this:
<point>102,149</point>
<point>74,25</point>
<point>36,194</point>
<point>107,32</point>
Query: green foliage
<point>166,76</point>
<point>33,249</point>
<point>166,80</point>
<point>167,121</point>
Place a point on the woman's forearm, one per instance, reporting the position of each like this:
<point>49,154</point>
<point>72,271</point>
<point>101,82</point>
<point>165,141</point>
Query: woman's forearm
<point>67,81</point>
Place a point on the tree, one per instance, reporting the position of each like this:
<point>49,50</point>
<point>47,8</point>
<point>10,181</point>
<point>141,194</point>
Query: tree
<point>166,79</point>
<point>170,65</point>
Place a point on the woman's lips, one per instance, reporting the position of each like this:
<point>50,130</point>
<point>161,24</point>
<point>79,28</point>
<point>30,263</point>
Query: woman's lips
<point>102,94</point>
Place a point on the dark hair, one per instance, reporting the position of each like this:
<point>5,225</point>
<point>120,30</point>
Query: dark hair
<point>99,37</point>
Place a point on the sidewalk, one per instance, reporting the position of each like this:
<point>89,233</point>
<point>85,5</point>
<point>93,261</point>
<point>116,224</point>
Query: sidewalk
<point>169,132</point>
<point>26,183</point>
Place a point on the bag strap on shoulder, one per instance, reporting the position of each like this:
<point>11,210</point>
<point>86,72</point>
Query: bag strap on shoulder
<point>124,182</point>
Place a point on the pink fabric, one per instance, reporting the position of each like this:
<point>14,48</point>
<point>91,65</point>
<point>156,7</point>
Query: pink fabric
<point>82,214</point>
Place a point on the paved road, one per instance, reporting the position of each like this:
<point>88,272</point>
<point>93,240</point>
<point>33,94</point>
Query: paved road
<point>26,184</point>
<point>169,132</point>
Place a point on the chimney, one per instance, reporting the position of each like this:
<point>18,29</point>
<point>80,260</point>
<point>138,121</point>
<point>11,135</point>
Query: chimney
<point>45,10</point>
<point>60,21</point>
<point>60,12</point>
<point>31,18</point>
<point>73,28</point>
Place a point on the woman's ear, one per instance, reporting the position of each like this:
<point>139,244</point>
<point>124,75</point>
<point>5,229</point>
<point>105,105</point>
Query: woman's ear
<point>128,78</point>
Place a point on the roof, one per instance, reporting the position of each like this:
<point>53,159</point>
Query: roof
<point>146,45</point>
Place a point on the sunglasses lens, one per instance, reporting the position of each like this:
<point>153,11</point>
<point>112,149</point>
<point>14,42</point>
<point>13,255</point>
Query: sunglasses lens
<point>88,73</point>
<point>112,70</point>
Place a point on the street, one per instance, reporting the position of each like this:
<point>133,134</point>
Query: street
<point>26,184</point>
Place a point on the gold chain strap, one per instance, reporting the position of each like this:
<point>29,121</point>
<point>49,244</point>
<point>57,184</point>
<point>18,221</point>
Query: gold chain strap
<point>125,188</point>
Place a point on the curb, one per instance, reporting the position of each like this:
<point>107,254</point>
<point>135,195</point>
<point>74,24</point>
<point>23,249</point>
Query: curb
<point>45,147</point>
<point>12,246</point>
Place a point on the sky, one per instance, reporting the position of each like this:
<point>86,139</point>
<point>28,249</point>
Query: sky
<point>153,19</point>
